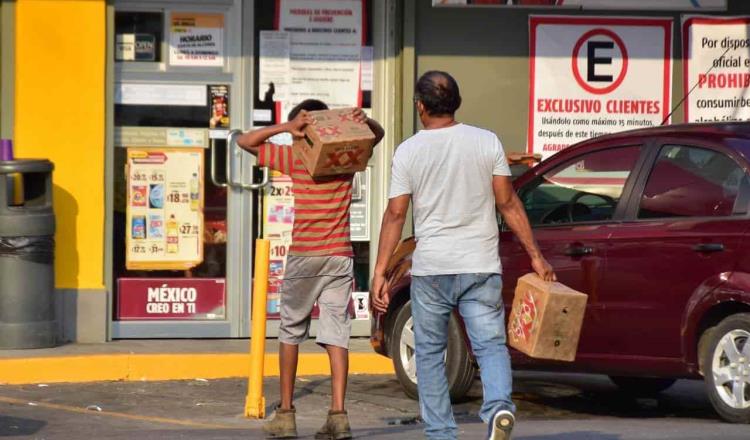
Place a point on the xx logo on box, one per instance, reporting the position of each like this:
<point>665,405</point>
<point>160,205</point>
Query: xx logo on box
<point>523,321</point>
<point>342,158</point>
<point>328,131</point>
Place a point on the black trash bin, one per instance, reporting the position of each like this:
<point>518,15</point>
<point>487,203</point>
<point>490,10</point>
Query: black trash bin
<point>27,243</point>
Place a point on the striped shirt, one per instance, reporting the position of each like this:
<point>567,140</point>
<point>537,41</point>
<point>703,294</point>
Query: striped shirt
<point>321,205</point>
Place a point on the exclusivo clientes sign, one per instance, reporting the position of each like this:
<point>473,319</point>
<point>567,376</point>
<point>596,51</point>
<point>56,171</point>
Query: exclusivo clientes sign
<point>596,75</point>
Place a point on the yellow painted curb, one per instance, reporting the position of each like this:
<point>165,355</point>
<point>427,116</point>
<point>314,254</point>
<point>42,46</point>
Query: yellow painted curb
<point>150,367</point>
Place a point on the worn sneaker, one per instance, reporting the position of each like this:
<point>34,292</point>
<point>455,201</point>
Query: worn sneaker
<point>501,425</point>
<point>336,427</point>
<point>282,425</point>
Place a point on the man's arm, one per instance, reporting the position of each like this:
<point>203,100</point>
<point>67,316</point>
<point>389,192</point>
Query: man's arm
<point>254,139</point>
<point>511,208</point>
<point>390,234</point>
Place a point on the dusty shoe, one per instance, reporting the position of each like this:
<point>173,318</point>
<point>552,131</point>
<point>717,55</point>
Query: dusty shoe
<point>501,425</point>
<point>336,427</point>
<point>282,425</point>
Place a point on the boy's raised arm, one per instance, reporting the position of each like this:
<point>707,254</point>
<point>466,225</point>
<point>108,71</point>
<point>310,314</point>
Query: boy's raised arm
<point>253,139</point>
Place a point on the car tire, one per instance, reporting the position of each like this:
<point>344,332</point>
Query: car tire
<point>642,386</point>
<point>726,365</point>
<point>459,370</point>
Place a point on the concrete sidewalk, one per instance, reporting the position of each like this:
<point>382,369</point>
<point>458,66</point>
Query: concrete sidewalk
<point>149,360</point>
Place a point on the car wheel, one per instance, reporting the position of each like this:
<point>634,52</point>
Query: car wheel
<point>642,386</point>
<point>726,366</point>
<point>459,369</point>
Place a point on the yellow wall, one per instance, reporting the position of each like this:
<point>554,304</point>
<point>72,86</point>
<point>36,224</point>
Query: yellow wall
<point>59,114</point>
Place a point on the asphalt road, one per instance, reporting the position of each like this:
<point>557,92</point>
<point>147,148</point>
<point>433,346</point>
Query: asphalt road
<point>550,407</point>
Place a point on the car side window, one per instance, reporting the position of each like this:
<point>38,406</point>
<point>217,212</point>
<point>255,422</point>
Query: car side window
<point>586,189</point>
<point>691,182</point>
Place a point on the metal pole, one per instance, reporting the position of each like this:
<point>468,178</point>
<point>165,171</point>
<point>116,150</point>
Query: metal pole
<point>255,403</point>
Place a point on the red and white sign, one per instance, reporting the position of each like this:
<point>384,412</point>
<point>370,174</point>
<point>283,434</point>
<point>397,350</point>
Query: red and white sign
<point>171,299</point>
<point>716,63</point>
<point>596,75</point>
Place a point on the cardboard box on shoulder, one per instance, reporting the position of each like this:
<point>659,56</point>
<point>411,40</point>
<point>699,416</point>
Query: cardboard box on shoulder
<point>546,319</point>
<point>335,143</point>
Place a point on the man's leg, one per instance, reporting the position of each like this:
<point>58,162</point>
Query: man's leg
<point>288,354</point>
<point>431,307</point>
<point>481,306</point>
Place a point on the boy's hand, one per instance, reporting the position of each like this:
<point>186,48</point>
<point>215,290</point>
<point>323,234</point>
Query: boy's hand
<point>359,116</point>
<point>298,124</point>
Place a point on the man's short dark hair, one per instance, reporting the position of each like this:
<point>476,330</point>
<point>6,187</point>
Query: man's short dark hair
<point>438,92</point>
<point>310,105</point>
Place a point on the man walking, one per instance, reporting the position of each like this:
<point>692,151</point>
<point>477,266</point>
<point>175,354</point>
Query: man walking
<point>457,177</point>
<point>319,268</point>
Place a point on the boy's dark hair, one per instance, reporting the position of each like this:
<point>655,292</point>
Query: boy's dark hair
<point>438,92</point>
<point>308,104</point>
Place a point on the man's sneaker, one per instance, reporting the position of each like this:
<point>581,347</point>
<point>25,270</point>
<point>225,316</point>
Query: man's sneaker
<point>501,425</point>
<point>282,425</point>
<point>336,427</point>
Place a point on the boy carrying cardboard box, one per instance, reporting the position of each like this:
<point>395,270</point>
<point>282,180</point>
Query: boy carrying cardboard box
<point>319,263</point>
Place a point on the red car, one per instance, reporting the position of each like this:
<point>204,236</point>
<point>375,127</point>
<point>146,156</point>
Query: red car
<point>653,225</point>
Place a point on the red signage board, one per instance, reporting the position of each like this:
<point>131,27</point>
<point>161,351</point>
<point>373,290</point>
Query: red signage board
<point>141,299</point>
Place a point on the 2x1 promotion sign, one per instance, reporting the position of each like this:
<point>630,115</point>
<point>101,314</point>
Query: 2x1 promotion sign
<point>596,75</point>
<point>716,63</point>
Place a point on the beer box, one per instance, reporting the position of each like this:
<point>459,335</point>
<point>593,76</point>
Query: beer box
<point>334,144</point>
<point>546,319</point>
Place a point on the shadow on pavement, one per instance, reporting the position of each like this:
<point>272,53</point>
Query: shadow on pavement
<point>578,435</point>
<point>562,395</point>
<point>15,426</point>
<point>299,392</point>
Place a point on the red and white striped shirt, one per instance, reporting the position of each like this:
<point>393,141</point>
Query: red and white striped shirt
<point>321,205</point>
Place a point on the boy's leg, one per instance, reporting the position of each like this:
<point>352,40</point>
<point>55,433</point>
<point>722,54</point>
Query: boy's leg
<point>288,354</point>
<point>482,309</point>
<point>339,358</point>
<point>298,295</point>
<point>334,330</point>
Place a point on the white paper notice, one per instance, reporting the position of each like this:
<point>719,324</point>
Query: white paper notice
<point>596,75</point>
<point>367,68</point>
<point>196,39</point>
<point>716,56</point>
<point>326,41</point>
<point>160,94</point>
<point>125,47</point>
<point>274,64</point>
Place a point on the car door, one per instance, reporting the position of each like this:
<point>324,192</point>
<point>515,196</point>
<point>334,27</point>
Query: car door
<point>572,209</point>
<point>681,239</point>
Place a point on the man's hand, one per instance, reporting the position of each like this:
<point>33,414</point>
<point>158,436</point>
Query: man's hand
<point>297,125</point>
<point>359,116</point>
<point>543,269</point>
<point>379,293</point>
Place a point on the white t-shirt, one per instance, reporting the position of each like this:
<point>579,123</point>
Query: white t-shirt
<point>448,172</point>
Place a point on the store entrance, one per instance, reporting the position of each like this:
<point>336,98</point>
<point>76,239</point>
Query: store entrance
<point>188,204</point>
<point>184,209</point>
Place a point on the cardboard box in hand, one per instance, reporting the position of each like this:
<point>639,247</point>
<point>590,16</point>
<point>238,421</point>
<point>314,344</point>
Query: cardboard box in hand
<point>334,144</point>
<point>546,319</point>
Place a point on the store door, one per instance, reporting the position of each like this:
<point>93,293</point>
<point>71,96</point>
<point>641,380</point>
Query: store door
<point>185,214</point>
<point>187,202</point>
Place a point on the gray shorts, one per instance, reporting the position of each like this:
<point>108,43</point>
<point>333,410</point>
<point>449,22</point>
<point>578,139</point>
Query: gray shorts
<point>327,280</point>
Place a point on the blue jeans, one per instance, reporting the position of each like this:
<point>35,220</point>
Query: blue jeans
<point>479,301</point>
